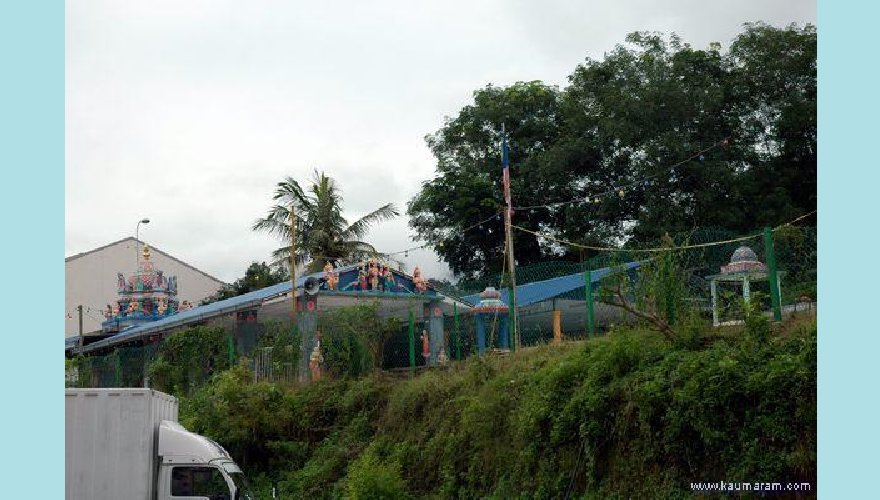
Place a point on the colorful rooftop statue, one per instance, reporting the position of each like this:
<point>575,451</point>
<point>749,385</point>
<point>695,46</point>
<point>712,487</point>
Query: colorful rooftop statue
<point>418,281</point>
<point>147,295</point>
<point>332,276</point>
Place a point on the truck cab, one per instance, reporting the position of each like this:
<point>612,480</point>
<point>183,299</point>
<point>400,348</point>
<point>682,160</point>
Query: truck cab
<point>192,467</point>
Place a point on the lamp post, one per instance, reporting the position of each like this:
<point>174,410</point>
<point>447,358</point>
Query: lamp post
<point>137,228</point>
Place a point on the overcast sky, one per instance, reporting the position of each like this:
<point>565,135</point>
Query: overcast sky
<point>188,112</point>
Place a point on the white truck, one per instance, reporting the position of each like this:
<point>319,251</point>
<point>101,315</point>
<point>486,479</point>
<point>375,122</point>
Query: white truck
<point>126,444</point>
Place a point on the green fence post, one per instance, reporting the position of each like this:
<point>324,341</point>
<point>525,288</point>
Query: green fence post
<point>412,342</point>
<point>770,257</point>
<point>588,296</point>
<point>118,368</point>
<point>230,350</point>
<point>457,331</point>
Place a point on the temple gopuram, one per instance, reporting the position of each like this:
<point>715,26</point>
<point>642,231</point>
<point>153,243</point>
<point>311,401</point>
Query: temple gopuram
<point>147,295</point>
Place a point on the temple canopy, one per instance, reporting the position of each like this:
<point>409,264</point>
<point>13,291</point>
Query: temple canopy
<point>745,268</point>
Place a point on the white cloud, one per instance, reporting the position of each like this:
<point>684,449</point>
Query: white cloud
<point>190,112</point>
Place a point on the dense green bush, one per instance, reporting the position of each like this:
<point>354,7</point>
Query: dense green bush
<point>187,359</point>
<point>631,415</point>
<point>353,339</point>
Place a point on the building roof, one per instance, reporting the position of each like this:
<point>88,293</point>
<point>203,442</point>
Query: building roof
<point>152,249</point>
<point>530,293</point>
<point>539,291</point>
<point>230,305</point>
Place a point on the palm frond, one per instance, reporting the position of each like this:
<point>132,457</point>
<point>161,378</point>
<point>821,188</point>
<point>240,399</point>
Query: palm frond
<point>361,227</point>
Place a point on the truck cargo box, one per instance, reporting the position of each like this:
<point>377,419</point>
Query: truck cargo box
<point>111,440</point>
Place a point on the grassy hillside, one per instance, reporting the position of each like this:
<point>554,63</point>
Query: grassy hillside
<point>627,415</point>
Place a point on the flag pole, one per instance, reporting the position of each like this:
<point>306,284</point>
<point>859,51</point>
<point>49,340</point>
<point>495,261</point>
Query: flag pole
<point>505,166</point>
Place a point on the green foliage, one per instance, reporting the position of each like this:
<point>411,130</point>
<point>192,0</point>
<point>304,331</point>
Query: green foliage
<point>649,104</point>
<point>187,358</point>
<point>370,478</point>
<point>353,339</point>
<point>757,323</point>
<point>72,367</point>
<point>630,415</point>
<point>283,344</point>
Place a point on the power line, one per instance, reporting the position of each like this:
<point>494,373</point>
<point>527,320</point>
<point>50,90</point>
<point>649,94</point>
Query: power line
<point>621,187</point>
<point>657,249</point>
<point>469,228</point>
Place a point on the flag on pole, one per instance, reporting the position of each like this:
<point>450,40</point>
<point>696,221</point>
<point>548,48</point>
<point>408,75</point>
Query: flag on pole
<point>505,167</point>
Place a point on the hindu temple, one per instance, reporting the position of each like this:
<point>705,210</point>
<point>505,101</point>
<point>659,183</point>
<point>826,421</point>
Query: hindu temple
<point>147,295</point>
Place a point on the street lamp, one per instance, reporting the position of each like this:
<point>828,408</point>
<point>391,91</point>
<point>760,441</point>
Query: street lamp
<point>137,260</point>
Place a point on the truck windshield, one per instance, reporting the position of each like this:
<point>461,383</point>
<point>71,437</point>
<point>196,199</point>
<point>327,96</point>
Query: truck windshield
<point>242,488</point>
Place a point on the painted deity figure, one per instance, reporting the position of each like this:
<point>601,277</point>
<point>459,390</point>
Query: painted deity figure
<point>373,274</point>
<point>362,279</point>
<point>332,277</point>
<point>108,313</point>
<point>115,309</point>
<point>388,278</point>
<point>160,279</point>
<point>419,282</point>
<point>162,306</point>
<point>441,357</point>
<point>426,345</point>
<point>121,282</point>
<point>132,306</point>
<point>315,360</point>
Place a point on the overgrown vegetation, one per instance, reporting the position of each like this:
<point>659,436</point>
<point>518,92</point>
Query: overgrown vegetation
<point>187,358</point>
<point>627,415</point>
<point>353,339</point>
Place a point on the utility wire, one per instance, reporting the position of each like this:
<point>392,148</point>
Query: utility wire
<point>657,249</point>
<point>723,142</point>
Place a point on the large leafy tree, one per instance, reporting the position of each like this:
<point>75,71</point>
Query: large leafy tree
<point>322,233</point>
<point>657,137</point>
<point>468,188</point>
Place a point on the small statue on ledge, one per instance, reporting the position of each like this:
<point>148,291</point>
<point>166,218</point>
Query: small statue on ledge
<point>362,279</point>
<point>332,277</point>
<point>388,278</point>
<point>373,274</point>
<point>420,284</point>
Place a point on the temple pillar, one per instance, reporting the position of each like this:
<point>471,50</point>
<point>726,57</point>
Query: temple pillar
<point>434,319</point>
<point>481,333</point>
<point>307,327</point>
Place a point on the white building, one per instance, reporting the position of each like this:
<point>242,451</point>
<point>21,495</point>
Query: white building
<point>91,281</point>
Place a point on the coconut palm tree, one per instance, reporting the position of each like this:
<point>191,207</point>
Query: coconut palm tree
<point>322,233</point>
